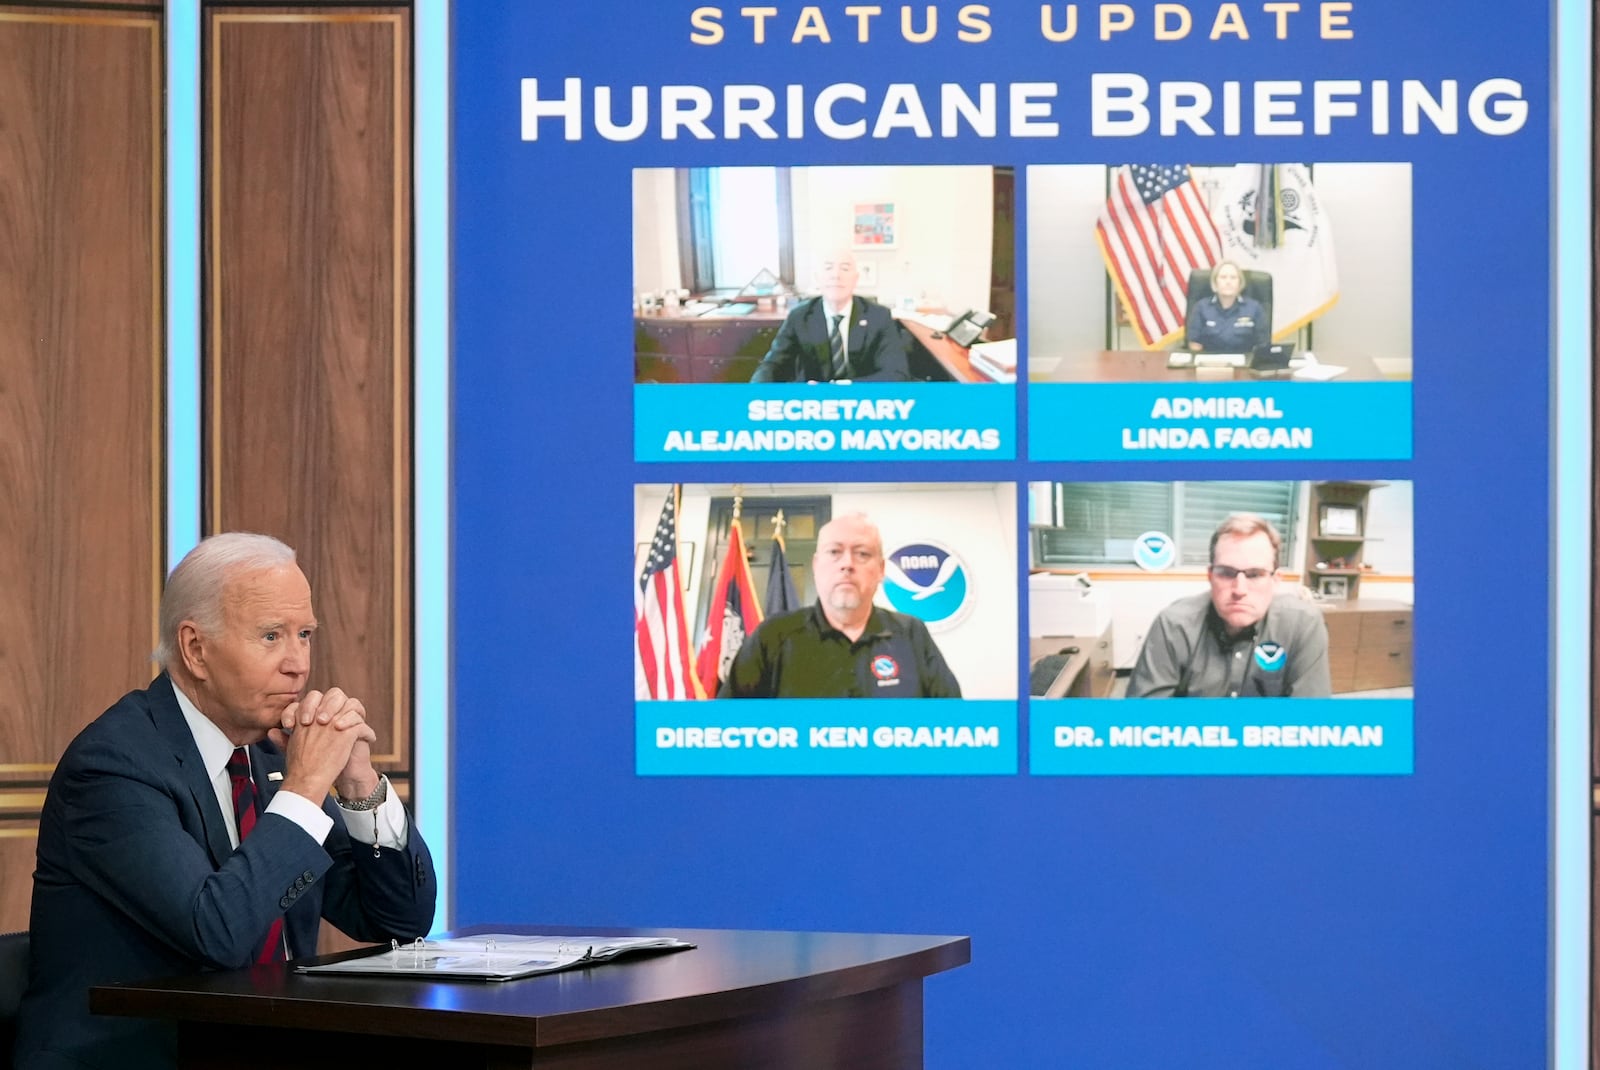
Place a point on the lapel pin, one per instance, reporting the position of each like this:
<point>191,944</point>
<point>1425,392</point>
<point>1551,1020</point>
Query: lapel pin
<point>274,776</point>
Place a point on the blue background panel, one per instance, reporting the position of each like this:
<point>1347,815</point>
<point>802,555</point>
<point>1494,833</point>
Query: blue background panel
<point>1197,921</point>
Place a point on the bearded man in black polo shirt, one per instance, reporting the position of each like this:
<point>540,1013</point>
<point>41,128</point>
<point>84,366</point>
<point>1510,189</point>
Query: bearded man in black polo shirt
<point>843,646</point>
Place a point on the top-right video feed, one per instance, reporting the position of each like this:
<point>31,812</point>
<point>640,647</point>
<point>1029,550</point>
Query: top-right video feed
<point>1173,273</point>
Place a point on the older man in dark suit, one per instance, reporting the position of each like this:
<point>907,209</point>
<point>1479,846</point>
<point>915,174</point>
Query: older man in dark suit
<point>836,335</point>
<point>190,826</point>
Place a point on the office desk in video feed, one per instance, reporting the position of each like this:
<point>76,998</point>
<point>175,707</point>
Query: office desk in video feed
<point>1369,644</point>
<point>673,348</point>
<point>738,999</point>
<point>948,359</point>
<point>1086,672</point>
<point>1141,366</point>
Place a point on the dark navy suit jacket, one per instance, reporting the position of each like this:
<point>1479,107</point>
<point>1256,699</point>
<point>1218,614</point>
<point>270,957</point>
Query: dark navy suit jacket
<point>800,353</point>
<point>136,878</point>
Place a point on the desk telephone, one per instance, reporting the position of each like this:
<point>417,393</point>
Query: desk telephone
<point>968,327</point>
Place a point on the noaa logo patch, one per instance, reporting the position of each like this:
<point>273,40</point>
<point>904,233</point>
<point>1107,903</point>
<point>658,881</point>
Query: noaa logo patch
<point>928,581</point>
<point>1154,551</point>
<point>884,667</point>
<point>1270,656</point>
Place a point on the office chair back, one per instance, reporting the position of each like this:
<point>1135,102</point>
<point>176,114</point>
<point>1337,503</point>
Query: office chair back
<point>1257,286</point>
<point>13,980</point>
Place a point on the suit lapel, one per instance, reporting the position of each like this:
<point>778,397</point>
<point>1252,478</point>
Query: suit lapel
<point>171,726</point>
<point>821,354</point>
<point>858,329</point>
<point>265,760</point>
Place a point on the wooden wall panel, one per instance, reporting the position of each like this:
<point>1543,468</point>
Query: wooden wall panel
<point>17,849</point>
<point>308,346</point>
<point>81,382</point>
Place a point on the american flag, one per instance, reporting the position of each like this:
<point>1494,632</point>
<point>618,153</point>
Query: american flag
<point>663,665</point>
<point>1154,230</point>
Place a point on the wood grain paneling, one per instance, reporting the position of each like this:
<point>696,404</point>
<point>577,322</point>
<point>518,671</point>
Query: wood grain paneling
<point>81,376</point>
<point>308,348</point>
<point>17,848</point>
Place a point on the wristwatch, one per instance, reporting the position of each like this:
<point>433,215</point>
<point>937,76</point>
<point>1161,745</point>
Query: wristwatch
<point>371,802</point>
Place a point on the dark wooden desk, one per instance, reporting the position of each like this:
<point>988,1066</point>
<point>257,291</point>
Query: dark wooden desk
<point>1141,366</point>
<point>740,999</point>
<point>672,348</point>
<point>954,359</point>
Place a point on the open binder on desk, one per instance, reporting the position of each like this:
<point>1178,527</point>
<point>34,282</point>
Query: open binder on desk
<point>494,956</point>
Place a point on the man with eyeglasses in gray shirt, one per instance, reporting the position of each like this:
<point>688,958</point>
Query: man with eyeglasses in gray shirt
<point>1242,639</point>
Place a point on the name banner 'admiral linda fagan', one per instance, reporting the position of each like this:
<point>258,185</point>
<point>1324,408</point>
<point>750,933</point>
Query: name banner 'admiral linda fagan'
<point>1233,421</point>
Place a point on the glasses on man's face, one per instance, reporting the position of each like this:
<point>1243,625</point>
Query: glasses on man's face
<point>861,555</point>
<point>1227,573</point>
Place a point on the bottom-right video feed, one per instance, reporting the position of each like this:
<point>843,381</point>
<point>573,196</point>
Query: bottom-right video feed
<point>1296,592</point>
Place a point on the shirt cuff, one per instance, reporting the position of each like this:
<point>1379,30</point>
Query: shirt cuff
<point>385,826</point>
<point>303,812</point>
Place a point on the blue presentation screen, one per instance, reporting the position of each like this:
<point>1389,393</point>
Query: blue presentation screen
<point>933,353</point>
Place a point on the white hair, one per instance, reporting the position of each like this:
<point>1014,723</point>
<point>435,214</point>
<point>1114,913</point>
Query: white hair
<point>194,590</point>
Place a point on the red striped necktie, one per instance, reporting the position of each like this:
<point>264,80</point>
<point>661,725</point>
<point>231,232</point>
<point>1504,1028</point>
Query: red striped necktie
<point>244,808</point>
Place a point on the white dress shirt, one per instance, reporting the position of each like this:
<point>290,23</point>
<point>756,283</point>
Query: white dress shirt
<point>386,826</point>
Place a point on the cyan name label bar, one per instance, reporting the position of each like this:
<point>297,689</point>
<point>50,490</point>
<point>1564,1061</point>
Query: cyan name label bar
<point>826,737</point>
<point>824,421</point>
<point>1219,736</point>
<point>1234,421</point>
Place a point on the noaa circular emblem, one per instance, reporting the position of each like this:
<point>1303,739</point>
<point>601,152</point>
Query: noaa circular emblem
<point>1270,656</point>
<point>884,667</point>
<point>1154,551</point>
<point>928,581</point>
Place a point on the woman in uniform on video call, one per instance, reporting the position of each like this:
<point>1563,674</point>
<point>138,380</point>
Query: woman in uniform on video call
<point>1227,321</point>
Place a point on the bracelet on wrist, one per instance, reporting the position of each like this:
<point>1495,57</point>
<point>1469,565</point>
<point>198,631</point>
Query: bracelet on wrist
<point>371,802</point>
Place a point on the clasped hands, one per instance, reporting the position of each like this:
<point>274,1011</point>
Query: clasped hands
<point>326,742</point>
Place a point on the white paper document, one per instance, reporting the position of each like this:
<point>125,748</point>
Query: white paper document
<point>494,956</point>
<point>1318,373</point>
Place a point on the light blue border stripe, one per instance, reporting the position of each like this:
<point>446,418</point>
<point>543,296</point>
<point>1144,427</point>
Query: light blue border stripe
<point>431,417</point>
<point>1571,554</point>
<point>183,278</point>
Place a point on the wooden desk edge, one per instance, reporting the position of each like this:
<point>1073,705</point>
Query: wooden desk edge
<point>1070,671</point>
<point>1087,368</point>
<point>729,1005</point>
<point>135,999</point>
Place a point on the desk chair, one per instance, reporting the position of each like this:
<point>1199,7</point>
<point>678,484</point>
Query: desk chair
<point>1257,285</point>
<point>13,980</point>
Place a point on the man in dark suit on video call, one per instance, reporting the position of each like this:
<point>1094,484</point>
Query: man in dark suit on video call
<point>836,335</point>
<point>191,827</point>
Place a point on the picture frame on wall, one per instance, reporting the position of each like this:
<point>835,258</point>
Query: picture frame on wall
<point>1335,520</point>
<point>873,225</point>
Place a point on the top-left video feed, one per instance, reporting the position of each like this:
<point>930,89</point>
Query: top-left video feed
<point>824,274</point>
